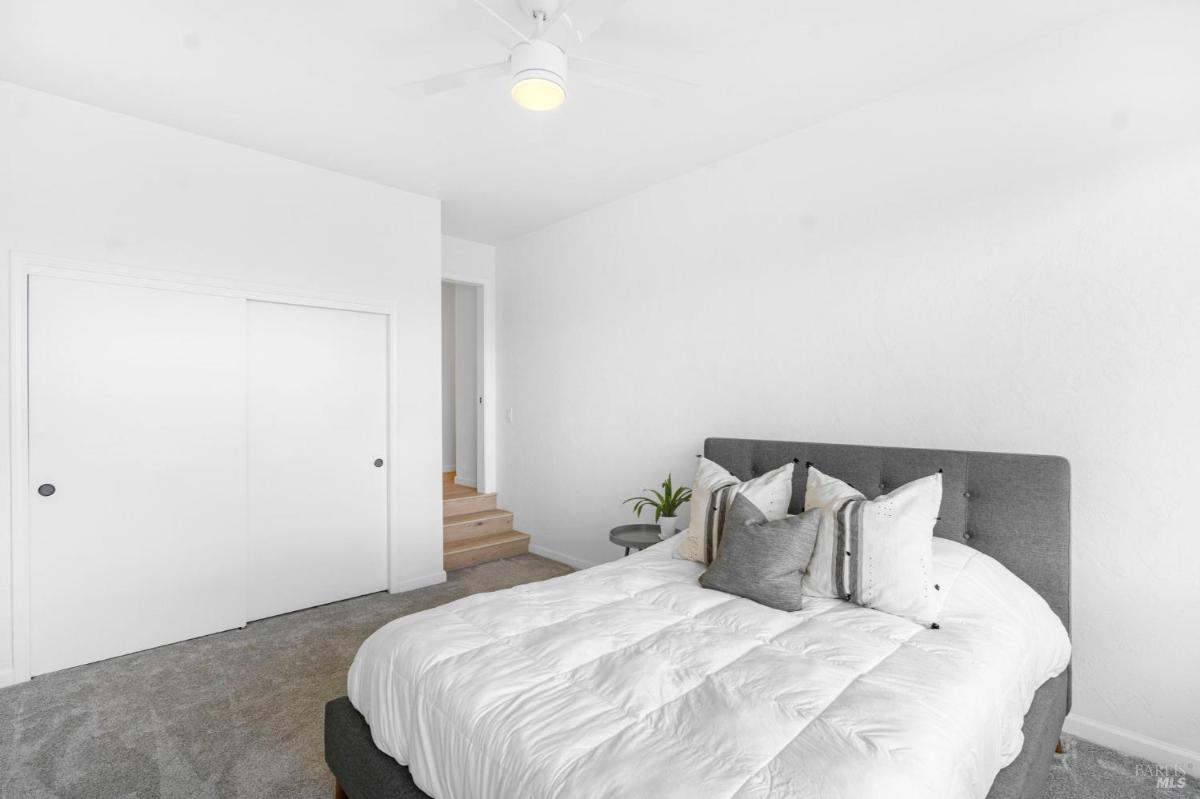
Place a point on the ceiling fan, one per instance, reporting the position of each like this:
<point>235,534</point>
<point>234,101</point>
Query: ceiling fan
<point>537,62</point>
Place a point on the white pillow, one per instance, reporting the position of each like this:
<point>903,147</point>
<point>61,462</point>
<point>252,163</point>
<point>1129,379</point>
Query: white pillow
<point>826,494</point>
<point>879,553</point>
<point>771,493</point>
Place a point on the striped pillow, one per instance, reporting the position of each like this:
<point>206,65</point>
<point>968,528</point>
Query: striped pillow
<point>713,491</point>
<point>825,493</point>
<point>880,551</point>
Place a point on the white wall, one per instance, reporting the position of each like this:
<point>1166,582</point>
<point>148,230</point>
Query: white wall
<point>449,437</point>
<point>80,182</point>
<point>466,366</point>
<point>470,263</point>
<point>1007,259</point>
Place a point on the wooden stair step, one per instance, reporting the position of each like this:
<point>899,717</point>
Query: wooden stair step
<point>473,525</point>
<point>461,506</point>
<point>460,554</point>
<point>454,491</point>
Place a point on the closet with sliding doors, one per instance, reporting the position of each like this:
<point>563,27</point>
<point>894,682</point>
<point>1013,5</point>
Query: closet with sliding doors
<point>196,460</point>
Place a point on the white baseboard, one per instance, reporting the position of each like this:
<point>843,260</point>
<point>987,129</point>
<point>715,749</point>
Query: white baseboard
<point>1133,743</point>
<point>561,557</point>
<point>414,583</point>
<point>449,468</point>
<point>464,481</point>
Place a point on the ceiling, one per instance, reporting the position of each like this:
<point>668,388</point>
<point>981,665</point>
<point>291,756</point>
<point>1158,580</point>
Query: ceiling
<point>314,81</point>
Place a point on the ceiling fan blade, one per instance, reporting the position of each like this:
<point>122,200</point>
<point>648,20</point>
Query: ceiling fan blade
<point>455,80</point>
<point>479,14</point>
<point>583,76</point>
<point>578,20</point>
<point>628,79</point>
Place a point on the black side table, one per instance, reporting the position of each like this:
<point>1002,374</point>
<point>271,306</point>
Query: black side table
<point>634,536</point>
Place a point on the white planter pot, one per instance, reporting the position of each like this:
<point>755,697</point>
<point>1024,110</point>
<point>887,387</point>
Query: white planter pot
<point>666,526</point>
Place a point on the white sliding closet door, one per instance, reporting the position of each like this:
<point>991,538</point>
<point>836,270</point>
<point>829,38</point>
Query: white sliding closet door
<point>317,450</point>
<point>137,458</point>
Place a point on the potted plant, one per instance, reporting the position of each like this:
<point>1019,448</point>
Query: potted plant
<point>665,504</point>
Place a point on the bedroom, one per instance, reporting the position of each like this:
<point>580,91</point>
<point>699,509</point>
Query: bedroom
<point>943,232</point>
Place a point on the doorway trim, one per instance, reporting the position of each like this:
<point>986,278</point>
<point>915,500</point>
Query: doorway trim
<point>485,376</point>
<point>23,265</point>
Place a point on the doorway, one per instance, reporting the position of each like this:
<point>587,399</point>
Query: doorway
<point>462,384</point>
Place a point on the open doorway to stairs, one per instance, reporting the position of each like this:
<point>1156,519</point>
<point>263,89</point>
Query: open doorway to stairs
<point>474,528</point>
<point>462,395</point>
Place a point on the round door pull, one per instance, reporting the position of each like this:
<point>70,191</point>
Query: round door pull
<point>379,461</point>
<point>46,489</point>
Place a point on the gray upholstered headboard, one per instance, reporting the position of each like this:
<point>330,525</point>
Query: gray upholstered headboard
<point>1016,508</point>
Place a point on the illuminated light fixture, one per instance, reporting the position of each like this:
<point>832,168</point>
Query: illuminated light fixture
<point>536,67</point>
<point>539,75</point>
<point>538,94</point>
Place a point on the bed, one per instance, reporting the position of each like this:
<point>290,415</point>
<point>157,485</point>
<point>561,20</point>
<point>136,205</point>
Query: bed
<point>630,680</point>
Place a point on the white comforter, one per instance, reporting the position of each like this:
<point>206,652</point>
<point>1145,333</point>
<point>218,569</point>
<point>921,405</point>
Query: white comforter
<point>630,680</point>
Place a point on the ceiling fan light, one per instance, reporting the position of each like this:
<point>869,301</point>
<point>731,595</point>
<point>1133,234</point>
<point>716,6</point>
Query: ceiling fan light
<point>538,93</point>
<point>539,75</point>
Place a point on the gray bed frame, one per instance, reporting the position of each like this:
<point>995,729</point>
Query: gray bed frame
<point>1016,508</point>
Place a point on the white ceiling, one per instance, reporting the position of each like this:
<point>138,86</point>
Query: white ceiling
<point>313,80</point>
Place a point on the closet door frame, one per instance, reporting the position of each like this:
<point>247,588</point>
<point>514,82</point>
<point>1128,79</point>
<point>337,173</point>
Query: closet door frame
<point>22,267</point>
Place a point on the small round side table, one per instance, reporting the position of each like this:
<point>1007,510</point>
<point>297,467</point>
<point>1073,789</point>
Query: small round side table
<point>634,536</point>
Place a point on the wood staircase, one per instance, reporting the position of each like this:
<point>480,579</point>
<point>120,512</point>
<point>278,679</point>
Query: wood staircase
<point>474,530</point>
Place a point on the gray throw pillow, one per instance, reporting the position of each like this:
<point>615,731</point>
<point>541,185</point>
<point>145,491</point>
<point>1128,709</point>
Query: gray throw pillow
<point>763,560</point>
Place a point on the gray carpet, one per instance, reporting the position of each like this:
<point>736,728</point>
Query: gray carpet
<point>239,714</point>
<point>1089,771</point>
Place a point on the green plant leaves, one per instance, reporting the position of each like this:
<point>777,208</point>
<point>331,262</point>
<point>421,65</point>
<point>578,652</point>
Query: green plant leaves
<point>664,503</point>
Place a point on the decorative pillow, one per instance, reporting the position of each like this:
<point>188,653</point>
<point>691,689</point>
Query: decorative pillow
<point>825,493</point>
<point>712,492</point>
<point>883,548</point>
<point>760,559</point>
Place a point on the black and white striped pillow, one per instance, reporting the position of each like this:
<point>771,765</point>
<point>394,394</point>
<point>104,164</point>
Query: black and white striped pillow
<point>713,491</point>
<point>881,550</point>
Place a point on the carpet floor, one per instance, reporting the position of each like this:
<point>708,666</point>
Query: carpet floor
<point>239,714</point>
